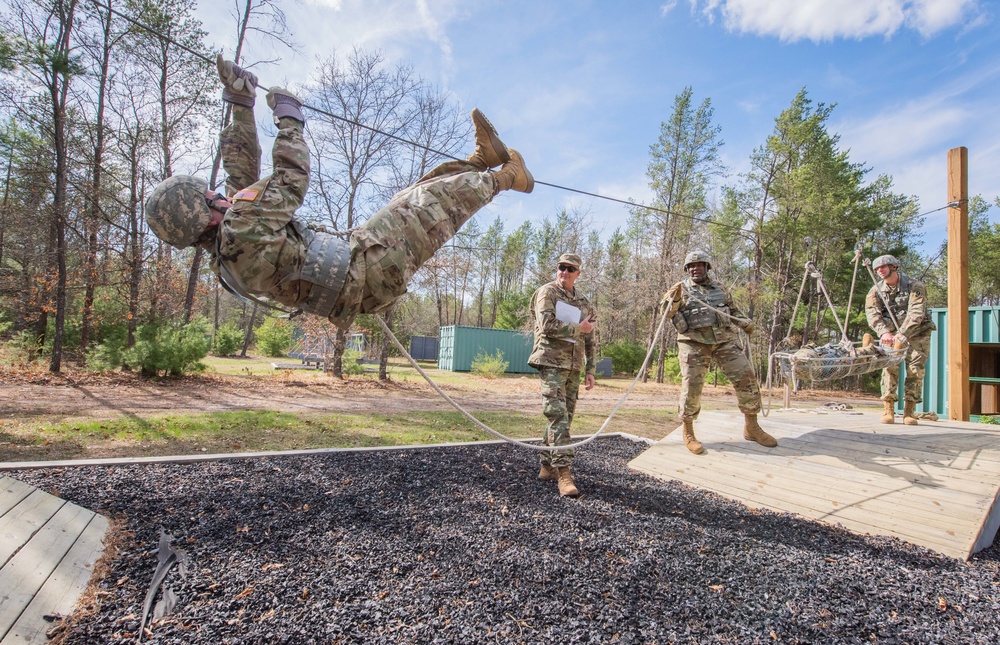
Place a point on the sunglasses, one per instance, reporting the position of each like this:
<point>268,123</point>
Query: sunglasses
<point>568,268</point>
<point>214,200</point>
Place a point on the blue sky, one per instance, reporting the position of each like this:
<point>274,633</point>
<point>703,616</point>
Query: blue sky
<point>581,88</point>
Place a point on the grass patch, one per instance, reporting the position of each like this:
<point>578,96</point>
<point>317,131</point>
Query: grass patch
<point>248,431</point>
<point>263,431</point>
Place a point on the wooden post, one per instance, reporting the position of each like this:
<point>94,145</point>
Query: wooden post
<point>958,284</point>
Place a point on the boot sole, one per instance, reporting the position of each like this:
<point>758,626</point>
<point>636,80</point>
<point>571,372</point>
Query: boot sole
<point>529,184</point>
<point>500,154</point>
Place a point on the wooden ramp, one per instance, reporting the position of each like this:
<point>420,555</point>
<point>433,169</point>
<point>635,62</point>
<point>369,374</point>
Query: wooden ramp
<point>48,548</point>
<point>935,484</point>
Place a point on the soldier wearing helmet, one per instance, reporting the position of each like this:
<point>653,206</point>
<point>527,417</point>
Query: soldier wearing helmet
<point>704,314</point>
<point>257,246</point>
<point>896,308</point>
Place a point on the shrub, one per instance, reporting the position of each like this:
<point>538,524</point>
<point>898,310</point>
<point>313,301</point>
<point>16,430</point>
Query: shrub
<point>228,340</point>
<point>626,356</point>
<point>25,346</point>
<point>165,349</point>
<point>108,355</point>
<point>351,363</point>
<point>489,365</point>
<point>274,337</point>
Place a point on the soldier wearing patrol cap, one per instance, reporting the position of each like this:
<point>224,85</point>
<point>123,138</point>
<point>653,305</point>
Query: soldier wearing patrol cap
<point>257,246</point>
<point>704,314</point>
<point>564,347</point>
<point>896,299</point>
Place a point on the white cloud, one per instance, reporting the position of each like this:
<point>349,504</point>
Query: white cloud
<point>825,20</point>
<point>667,7</point>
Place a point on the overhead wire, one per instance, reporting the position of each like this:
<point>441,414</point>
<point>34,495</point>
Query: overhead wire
<point>415,144</point>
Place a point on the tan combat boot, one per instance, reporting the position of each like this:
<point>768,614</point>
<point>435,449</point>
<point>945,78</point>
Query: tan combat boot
<point>909,414</point>
<point>692,444</point>
<point>753,432</point>
<point>490,150</point>
<point>867,340</point>
<point>514,175</point>
<point>567,488</point>
<point>548,473</point>
<point>889,414</point>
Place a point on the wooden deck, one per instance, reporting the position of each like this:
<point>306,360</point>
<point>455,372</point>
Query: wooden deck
<point>48,548</point>
<point>936,484</point>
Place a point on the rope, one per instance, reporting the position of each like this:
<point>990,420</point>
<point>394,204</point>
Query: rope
<point>518,442</point>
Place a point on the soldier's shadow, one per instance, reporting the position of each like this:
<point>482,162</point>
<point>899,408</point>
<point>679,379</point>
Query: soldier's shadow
<point>920,457</point>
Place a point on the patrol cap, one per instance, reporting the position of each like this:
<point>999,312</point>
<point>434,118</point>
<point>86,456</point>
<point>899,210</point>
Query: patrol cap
<point>570,258</point>
<point>883,260</point>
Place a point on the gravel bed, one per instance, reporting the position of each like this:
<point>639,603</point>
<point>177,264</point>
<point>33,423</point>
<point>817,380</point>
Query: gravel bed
<point>464,545</point>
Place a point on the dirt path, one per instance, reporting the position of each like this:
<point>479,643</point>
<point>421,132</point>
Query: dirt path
<point>97,397</point>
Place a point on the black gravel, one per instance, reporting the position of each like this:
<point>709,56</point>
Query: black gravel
<point>463,545</point>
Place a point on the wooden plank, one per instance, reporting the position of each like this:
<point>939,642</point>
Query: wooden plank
<point>985,445</point>
<point>850,516</point>
<point>890,502</point>
<point>829,482</point>
<point>59,594</point>
<point>24,520</point>
<point>959,403</point>
<point>25,573</point>
<point>835,463</point>
<point>936,474</point>
<point>935,485</point>
<point>990,527</point>
<point>12,492</point>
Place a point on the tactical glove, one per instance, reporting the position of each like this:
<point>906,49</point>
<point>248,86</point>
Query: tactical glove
<point>238,85</point>
<point>285,104</point>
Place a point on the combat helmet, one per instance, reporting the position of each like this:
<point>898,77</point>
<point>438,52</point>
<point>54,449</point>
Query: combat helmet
<point>697,256</point>
<point>883,260</point>
<point>177,212</point>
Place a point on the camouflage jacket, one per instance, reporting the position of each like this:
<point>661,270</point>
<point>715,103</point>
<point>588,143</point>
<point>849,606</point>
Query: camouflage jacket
<point>557,343</point>
<point>908,302</point>
<point>258,240</point>
<point>696,322</point>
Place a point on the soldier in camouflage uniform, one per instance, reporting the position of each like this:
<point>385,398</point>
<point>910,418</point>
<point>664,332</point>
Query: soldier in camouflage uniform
<point>564,347</point>
<point>907,300</point>
<point>704,335</point>
<point>257,246</point>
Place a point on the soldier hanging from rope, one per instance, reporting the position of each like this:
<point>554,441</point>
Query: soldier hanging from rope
<point>703,336</point>
<point>257,246</point>
<point>896,308</point>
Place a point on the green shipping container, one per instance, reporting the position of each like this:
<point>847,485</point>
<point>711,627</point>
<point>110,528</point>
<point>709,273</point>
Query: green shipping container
<point>984,363</point>
<point>458,346</point>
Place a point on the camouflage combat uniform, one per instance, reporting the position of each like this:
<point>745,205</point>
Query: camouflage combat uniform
<point>560,353</point>
<point>704,336</point>
<point>908,300</point>
<point>260,241</point>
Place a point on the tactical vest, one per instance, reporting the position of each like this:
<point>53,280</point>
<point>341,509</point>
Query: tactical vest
<point>897,304</point>
<point>695,315</point>
<point>325,267</point>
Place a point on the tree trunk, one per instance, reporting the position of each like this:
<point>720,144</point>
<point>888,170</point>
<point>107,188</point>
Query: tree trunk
<point>383,359</point>
<point>249,332</point>
<point>339,343</point>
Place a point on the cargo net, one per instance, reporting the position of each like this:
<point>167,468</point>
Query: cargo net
<point>835,361</point>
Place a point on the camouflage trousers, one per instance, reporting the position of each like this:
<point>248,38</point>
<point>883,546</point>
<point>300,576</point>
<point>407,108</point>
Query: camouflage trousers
<point>696,358</point>
<point>916,364</point>
<point>560,389</point>
<point>397,240</point>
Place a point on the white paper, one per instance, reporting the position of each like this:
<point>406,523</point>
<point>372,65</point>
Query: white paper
<point>567,313</point>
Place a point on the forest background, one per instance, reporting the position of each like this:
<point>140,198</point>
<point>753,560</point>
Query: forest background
<point>98,109</point>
